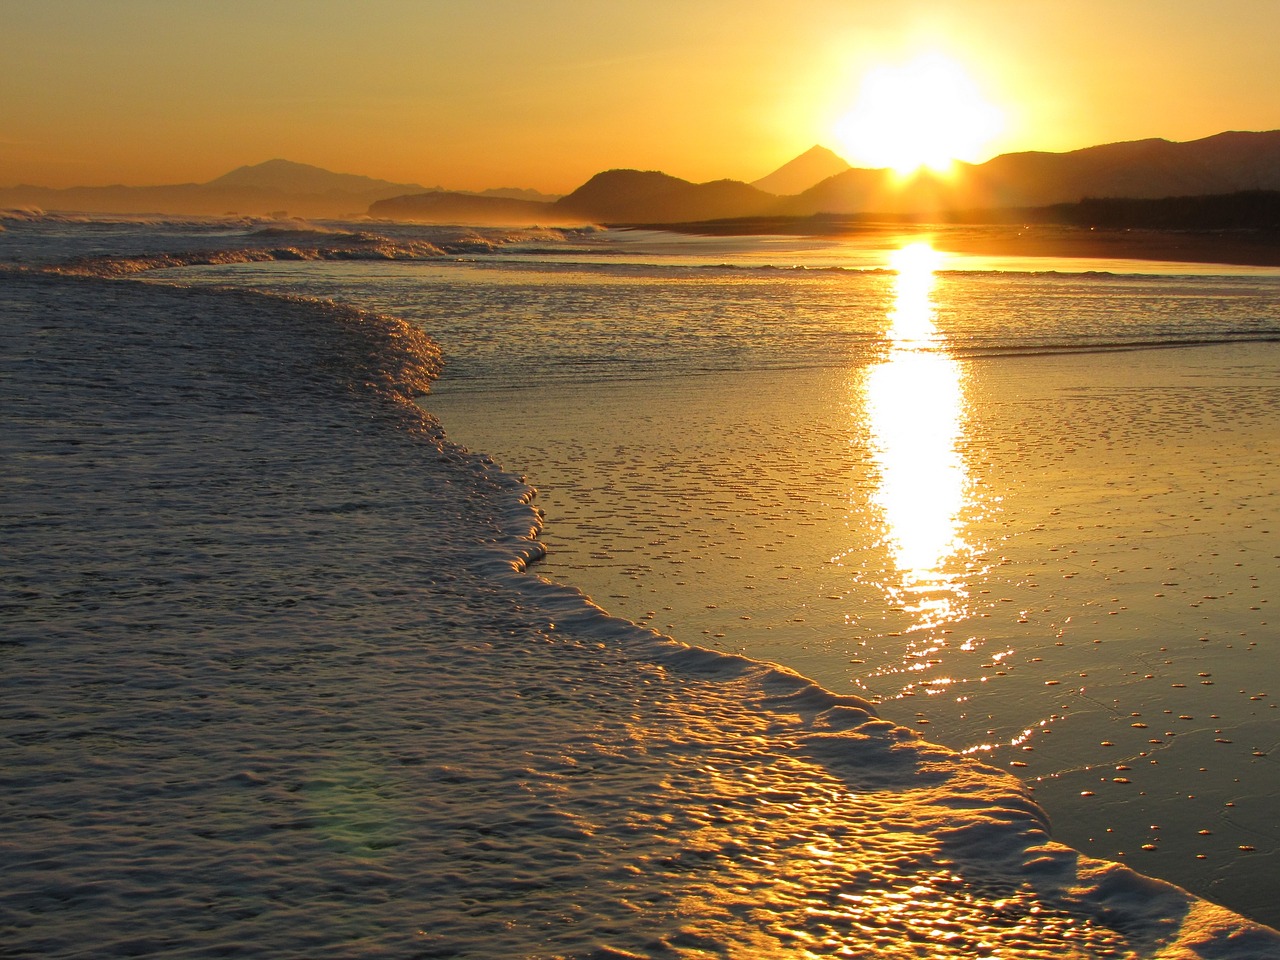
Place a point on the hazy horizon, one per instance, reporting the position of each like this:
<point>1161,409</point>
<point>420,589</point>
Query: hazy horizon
<point>478,191</point>
<point>498,94</point>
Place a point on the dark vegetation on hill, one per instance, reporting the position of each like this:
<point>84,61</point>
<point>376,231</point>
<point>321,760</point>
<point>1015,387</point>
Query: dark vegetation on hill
<point>1227,181</point>
<point>1246,210</point>
<point>630,195</point>
<point>1252,211</point>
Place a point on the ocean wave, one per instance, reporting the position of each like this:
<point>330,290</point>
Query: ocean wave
<point>33,214</point>
<point>994,865</point>
<point>215,241</point>
<point>535,753</point>
<point>301,229</point>
<point>374,248</point>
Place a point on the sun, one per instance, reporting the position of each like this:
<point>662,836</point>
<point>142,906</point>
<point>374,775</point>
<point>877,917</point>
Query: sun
<point>927,112</point>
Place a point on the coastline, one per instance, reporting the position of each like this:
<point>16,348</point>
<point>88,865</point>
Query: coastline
<point>1234,247</point>
<point>1241,248</point>
<point>1136,823</point>
<point>625,480</point>
<point>830,726</point>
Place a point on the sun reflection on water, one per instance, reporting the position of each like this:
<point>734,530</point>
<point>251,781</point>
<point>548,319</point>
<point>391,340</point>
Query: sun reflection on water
<point>915,406</point>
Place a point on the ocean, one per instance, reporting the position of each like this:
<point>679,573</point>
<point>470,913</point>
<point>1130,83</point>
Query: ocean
<point>280,679</point>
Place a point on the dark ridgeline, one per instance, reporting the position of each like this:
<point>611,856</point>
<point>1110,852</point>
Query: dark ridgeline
<point>1222,182</point>
<point>621,196</point>
<point>615,196</point>
<point>1231,177</point>
<point>1142,169</point>
<point>275,187</point>
<point>1007,188</point>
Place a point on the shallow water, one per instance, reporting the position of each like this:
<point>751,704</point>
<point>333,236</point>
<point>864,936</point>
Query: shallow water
<point>1101,487</point>
<point>761,543</point>
<point>276,685</point>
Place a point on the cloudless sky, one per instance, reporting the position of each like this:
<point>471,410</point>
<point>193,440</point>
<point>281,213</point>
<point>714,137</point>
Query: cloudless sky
<point>468,94</point>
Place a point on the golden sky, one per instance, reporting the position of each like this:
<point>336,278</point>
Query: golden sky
<point>468,94</point>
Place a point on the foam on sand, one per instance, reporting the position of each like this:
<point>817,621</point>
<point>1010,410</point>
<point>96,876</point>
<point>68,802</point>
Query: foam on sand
<point>276,681</point>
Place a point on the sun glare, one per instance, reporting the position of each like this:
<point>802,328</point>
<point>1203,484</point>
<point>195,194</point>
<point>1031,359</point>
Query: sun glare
<point>926,112</point>
<point>915,405</point>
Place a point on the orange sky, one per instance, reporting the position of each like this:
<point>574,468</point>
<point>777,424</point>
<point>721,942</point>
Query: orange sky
<point>544,93</point>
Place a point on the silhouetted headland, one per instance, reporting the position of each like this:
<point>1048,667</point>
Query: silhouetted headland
<point>1213,200</point>
<point>1236,228</point>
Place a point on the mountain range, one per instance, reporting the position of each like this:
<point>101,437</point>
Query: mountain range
<point>1141,169</point>
<point>276,187</point>
<point>1226,163</point>
<point>815,183</point>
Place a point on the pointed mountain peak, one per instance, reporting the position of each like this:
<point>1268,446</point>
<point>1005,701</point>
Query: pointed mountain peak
<point>798,175</point>
<point>819,152</point>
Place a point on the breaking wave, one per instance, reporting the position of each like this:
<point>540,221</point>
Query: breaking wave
<point>409,745</point>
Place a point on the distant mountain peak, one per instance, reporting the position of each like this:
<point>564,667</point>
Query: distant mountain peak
<point>1152,168</point>
<point>796,176</point>
<point>269,166</point>
<point>825,154</point>
<point>289,176</point>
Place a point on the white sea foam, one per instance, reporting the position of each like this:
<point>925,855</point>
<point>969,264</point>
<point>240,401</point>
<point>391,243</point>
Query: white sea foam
<point>114,246</point>
<point>704,467</point>
<point>1116,568</point>
<point>276,681</point>
<point>21,213</point>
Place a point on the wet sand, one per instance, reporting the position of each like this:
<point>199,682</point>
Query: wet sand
<point>1108,637</point>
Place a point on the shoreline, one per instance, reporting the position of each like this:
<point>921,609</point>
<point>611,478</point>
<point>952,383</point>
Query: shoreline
<point>620,565</point>
<point>1233,247</point>
<point>1055,859</point>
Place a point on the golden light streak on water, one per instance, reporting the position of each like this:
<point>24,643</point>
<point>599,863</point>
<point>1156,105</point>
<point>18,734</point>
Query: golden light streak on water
<point>915,406</point>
